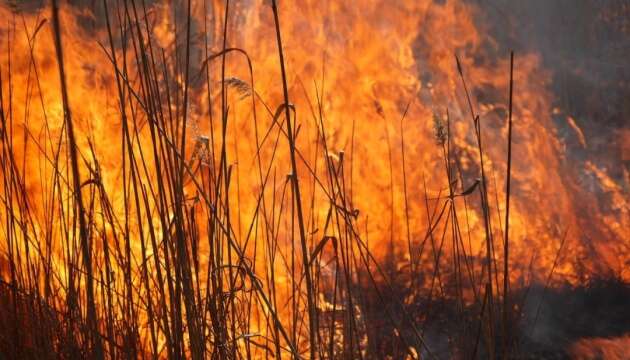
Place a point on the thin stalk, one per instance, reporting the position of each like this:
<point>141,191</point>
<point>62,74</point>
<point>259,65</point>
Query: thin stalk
<point>94,336</point>
<point>298,200</point>
<point>506,278</point>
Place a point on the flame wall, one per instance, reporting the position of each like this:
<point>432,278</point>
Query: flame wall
<point>370,76</point>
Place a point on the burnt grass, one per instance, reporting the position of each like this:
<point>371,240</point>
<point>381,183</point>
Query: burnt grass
<point>546,320</point>
<point>567,314</point>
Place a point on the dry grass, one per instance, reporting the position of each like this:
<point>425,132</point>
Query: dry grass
<point>142,287</point>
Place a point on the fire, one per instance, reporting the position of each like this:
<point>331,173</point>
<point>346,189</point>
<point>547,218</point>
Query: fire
<point>368,82</point>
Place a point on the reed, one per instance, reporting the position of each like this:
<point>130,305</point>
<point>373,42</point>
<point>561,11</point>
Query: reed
<point>180,271</point>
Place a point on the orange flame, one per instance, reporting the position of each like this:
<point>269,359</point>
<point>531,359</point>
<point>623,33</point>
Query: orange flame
<point>370,81</point>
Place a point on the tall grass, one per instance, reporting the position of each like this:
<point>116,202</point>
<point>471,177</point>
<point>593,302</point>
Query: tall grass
<point>171,275</point>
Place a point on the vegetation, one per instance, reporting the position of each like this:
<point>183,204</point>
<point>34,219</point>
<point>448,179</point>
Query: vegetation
<point>158,266</point>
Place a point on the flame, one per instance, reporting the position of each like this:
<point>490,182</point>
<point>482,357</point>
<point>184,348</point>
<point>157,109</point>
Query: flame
<point>602,348</point>
<point>366,80</point>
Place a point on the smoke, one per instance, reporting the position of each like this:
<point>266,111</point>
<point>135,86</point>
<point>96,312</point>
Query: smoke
<point>584,45</point>
<point>554,319</point>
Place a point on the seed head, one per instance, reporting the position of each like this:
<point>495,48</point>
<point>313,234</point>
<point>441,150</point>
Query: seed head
<point>439,130</point>
<point>239,85</point>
